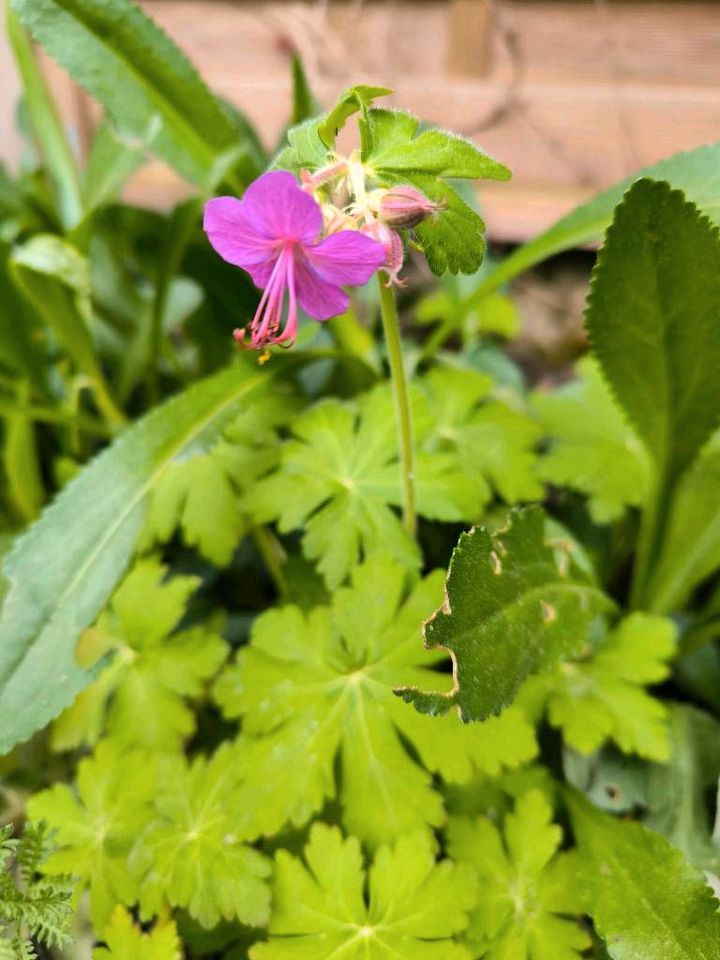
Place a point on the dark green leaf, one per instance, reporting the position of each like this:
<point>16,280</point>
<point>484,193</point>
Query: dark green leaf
<point>653,318</point>
<point>646,900</point>
<point>305,103</point>
<point>65,567</point>
<point>514,604</point>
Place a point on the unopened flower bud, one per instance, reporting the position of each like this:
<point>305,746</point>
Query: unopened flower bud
<point>403,207</point>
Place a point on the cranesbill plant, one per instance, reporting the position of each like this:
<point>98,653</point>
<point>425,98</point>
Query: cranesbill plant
<point>217,712</point>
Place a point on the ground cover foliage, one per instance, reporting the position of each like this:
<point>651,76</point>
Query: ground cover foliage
<point>252,706</point>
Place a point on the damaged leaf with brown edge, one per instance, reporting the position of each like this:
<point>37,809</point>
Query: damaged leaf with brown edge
<point>515,603</point>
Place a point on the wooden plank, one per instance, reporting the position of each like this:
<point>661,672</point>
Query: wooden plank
<point>468,50</point>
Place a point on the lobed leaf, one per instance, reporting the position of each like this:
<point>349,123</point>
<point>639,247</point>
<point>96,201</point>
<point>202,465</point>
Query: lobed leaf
<point>514,604</point>
<point>314,691</point>
<point>394,152</point>
<point>412,908</point>
<point>528,891</point>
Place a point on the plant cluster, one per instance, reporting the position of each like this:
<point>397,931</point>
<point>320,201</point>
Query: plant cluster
<point>217,712</point>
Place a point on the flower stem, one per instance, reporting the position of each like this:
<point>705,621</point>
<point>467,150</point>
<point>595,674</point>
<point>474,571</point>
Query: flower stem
<point>391,328</point>
<point>273,555</point>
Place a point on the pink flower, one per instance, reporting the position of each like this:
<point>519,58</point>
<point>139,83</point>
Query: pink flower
<point>274,234</point>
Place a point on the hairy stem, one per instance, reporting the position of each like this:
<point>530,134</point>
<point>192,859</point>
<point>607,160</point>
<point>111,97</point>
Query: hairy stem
<point>391,328</point>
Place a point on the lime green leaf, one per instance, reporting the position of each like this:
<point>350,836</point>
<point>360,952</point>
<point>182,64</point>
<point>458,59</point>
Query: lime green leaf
<point>351,101</point>
<point>63,570</point>
<point>126,941</point>
<point>141,697</point>
<point>646,900</point>
<point>312,686</point>
<point>691,546</point>
<point>97,823</point>
<point>454,412</point>
<point>412,908</point>
<point>191,855</point>
<point>592,447</point>
<point>305,149</point>
<point>677,791</point>
<point>340,477</point>
<point>652,320</point>
<point>202,493</point>
<point>137,74</point>
<point>526,888</point>
<point>695,172</point>
<point>394,152</point>
<point>603,696</point>
<point>514,604</point>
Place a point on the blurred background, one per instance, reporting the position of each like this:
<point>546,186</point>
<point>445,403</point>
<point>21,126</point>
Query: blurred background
<point>572,94</point>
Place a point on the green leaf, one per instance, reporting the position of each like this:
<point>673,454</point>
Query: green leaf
<point>126,941</point>
<point>527,889</point>
<point>305,149</point>
<point>677,791</point>
<point>412,908</point>
<point>455,412</point>
<point>304,102</point>
<point>135,71</point>
<point>646,900</point>
<point>113,159</point>
<point>514,604</point>
<point>191,855</point>
<point>339,478</point>
<point>55,278</point>
<point>63,570</point>
<point>690,550</point>
<point>394,153</point>
<point>312,686</point>
<point>351,101</point>
<point>140,699</point>
<point>46,124</point>
<point>695,172</point>
<point>592,448</point>
<point>97,823</point>
<point>652,320</point>
<point>602,695</point>
<point>203,493</point>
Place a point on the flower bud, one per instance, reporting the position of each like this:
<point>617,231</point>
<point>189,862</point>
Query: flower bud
<point>403,207</point>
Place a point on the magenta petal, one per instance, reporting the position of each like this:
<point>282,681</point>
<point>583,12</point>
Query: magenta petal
<point>233,236</point>
<point>347,257</point>
<point>319,300</point>
<point>277,208</point>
